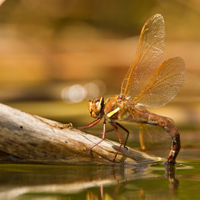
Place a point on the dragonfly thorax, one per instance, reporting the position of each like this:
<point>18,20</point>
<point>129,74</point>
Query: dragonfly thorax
<point>96,107</point>
<point>118,107</point>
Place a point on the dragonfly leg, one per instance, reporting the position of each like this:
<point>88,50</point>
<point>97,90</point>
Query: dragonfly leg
<point>111,130</point>
<point>106,131</point>
<point>120,139</point>
<point>103,137</point>
<point>96,121</point>
<point>125,131</point>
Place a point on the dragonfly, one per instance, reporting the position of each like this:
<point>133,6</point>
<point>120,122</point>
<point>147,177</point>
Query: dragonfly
<point>146,84</point>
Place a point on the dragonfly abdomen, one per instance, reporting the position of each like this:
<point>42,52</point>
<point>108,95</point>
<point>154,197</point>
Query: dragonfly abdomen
<point>168,125</point>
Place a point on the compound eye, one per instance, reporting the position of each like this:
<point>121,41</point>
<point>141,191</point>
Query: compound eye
<point>100,102</point>
<point>90,107</point>
<point>95,107</point>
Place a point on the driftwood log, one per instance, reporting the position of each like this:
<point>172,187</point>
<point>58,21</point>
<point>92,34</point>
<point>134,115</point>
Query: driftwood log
<point>26,138</point>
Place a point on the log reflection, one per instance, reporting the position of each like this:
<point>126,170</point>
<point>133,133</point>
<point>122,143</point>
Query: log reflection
<point>99,182</point>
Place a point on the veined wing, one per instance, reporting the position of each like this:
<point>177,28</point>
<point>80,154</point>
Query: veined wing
<point>149,52</point>
<point>165,84</point>
<point>151,134</point>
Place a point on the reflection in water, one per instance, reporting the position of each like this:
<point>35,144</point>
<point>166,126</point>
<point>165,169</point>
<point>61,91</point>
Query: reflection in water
<point>142,192</point>
<point>90,182</point>
<point>170,174</point>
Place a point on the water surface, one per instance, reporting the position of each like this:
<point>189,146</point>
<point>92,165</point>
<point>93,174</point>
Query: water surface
<point>141,181</point>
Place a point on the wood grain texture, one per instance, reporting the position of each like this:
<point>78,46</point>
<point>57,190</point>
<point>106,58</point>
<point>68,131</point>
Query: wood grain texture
<point>29,138</point>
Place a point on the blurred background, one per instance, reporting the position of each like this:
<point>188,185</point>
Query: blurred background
<point>57,54</point>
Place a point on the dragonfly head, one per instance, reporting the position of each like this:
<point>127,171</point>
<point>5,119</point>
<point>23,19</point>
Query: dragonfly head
<point>96,107</point>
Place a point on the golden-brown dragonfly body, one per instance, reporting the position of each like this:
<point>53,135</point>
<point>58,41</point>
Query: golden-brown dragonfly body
<point>121,109</point>
<point>145,84</point>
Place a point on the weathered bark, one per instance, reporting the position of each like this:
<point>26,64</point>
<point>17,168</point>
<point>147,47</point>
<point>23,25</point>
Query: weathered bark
<point>29,138</point>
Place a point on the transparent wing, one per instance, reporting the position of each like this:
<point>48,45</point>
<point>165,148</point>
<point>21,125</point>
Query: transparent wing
<point>149,135</point>
<point>165,84</point>
<point>149,52</point>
